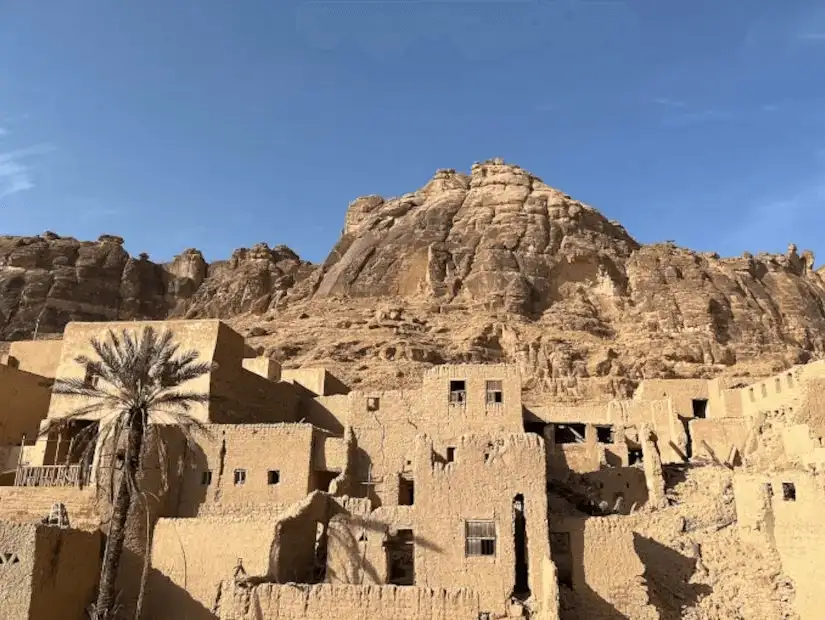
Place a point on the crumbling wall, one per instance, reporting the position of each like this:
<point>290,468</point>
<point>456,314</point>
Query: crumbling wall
<point>681,391</point>
<point>722,435</point>
<point>336,602</point>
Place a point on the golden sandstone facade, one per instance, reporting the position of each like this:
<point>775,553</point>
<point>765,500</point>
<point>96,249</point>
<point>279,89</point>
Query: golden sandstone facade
<point>306,499</point>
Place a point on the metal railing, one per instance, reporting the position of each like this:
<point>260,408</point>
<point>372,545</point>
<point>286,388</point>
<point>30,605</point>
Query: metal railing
<point>51,476</point>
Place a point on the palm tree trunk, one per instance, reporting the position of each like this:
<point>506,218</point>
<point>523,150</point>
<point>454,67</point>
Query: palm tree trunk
<point>120,513</point>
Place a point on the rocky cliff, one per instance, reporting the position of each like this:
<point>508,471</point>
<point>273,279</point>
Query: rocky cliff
<point>488,266</point>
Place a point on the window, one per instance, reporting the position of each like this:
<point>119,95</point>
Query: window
<point>789,491</point>
<point>480,538</point>
<point>458,392</point>
<point>777,384</point>
<point>450,454</point>
<point>91,378</point>
<point>790,380</point>
<point>373,403</point>
<point>495,393</point>
<point>401,558</point>
<point>240,477</point>
<point>273,476</point>
<point>700,407</point>
<point>569,433</point>
<point>7,559</point>
<point>604,434</point>
<point>406,491</point>
<point>206,478</point>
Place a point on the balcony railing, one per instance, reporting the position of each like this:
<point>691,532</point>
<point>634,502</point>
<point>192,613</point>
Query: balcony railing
<point>52,476</point>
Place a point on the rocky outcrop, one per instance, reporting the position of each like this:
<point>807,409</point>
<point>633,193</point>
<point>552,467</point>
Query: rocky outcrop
<point>494,265</point>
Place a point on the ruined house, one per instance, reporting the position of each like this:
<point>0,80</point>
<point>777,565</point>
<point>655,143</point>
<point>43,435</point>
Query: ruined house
<point>308,499</point>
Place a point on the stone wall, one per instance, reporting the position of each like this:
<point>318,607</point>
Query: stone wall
<point>337,602</point>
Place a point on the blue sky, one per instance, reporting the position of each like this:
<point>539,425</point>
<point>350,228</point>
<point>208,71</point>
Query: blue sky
<point>217,124</point>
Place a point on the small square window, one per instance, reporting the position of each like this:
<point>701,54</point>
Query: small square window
<point>480,538</point>
<point>206,478</point>
<point>240,477</point>
<point>458,392</point>
<point>273,476</point>
<point>495,393</point>
<point>604,434</point>
<point>373,403</point>
<point>789,491</point>
<point>450,454</point>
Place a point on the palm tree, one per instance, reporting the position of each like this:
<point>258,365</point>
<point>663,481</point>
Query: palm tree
<point>133,382</point>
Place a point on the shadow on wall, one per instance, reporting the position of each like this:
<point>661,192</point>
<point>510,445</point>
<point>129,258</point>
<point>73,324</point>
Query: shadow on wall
<point>166,599</point>
<point>578,601</point>
<point>667,575</point>
<point>349,534</point>
<point>194,487</point>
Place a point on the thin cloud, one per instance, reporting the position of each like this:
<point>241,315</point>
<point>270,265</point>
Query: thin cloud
<point>16,173</point>
<point>669,103</point>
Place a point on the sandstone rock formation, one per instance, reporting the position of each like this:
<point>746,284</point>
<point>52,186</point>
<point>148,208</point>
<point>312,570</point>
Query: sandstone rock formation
<point>490,266</point>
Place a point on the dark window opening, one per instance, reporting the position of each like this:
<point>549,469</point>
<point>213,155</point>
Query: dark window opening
<point>521,590</point>
<point>562,555</point>
<point>458,392</point>
<point>535,427</point>
<point>323,480</point>
<point>480,538</point>
<point>450,454</point>
<point>700,407</point>
<point>495,393</point>
<point>789,491</point>
<point>569,433</point>
<point>635,456</point>
<point>13,362</point>
<point>401,558</point>
<point>406,492</point>
<point>373,403</point>
<point>91,379</point>
<point>604,434</point>
<point>240,477</point>
<point>273,476</point>
<point>206,478</point>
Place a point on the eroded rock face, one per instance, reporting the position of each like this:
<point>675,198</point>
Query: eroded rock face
<point>494,266</point>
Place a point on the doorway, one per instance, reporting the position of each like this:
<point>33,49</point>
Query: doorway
<point>521,589</point>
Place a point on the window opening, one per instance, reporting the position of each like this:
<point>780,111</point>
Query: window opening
<point>604,434</point>
<point>480,538</point>
<point>206,478</point>
<point>373,403</point>
<point>401,558</point>
<point>406,491</point>
<point>450,454</point>
<point>700,407</point>
<point>458,392</point>
<point>273,476</point>
<point>789,491</point>
<point>495,393</point>
<point>91,379</point>
<point>240,477</point>
<point>569,433</point>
